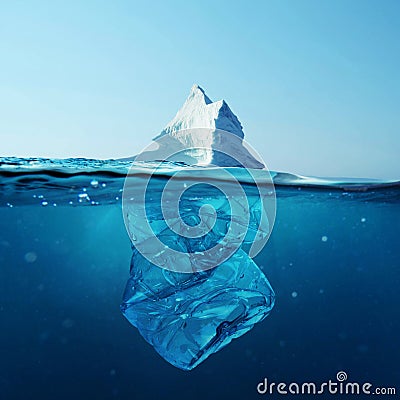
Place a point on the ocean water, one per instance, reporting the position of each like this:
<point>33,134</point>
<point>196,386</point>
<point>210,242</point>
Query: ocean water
<point>333,260</point>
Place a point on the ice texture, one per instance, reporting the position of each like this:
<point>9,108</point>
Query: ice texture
<point>188,316</point>
<point>194,285</point>
<point>199,111</point>
<point>204,123</point>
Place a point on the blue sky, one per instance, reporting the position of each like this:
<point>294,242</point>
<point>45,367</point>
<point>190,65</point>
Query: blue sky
<point>316,84</point>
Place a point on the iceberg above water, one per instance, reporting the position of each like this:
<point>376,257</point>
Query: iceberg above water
<point>201,127</point>
<point>199,111</point>
<point>194,285</point>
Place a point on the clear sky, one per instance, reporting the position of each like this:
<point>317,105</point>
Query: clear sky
<point>316,84</point>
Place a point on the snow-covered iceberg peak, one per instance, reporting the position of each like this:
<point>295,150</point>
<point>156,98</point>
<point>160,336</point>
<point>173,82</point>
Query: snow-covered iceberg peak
<point>202,133</point>
<point>199,111</point>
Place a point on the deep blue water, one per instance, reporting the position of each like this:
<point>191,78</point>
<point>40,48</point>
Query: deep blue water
<point>333,260</point>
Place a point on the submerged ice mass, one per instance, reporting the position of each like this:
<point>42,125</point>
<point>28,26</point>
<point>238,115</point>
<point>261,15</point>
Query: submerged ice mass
<point>188,317</point>
<point>194,285</point>
<point>191,302</point>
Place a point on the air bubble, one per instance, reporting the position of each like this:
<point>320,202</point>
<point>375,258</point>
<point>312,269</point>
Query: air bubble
<point>83,197</point>
<point>30,257</point>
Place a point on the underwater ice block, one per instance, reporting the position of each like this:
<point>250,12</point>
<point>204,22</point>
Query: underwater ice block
<point>188,316</point>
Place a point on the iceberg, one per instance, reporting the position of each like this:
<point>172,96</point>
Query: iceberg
<point>199,111</point>
<point>203,124</point>
<point>187,318</point>
<point>196,221</point>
